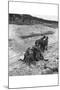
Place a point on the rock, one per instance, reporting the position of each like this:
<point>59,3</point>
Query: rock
<point>47,71</point>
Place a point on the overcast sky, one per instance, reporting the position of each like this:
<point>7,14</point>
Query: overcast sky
<point>46,11</point>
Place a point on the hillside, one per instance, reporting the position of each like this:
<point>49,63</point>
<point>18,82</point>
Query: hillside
<point>25,19</point>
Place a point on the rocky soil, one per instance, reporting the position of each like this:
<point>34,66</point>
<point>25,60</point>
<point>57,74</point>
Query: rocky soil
<point>17,47</point>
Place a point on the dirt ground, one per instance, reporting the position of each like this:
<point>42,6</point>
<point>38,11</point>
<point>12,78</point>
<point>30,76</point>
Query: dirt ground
<point>17,47</point>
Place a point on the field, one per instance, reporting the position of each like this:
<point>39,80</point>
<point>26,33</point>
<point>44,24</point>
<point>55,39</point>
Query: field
<point>23,36</point>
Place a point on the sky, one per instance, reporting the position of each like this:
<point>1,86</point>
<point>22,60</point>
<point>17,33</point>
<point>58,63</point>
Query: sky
<point>45,11</point>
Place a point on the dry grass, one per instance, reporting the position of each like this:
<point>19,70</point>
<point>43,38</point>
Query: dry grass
<point>17,47</point>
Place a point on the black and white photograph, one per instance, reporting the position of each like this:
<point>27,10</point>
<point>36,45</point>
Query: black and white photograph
<point>33,40</point>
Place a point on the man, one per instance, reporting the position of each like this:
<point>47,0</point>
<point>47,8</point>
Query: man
<point>37,53</point>
<point>42,43</point>
<point>28,56</point>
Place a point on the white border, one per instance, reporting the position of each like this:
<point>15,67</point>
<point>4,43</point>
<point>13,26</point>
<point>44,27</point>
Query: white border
<point>4,44</point>
<point>32,81</point>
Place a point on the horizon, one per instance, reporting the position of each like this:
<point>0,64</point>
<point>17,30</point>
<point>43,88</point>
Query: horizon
<point>45,11</point>
<point>36,17</point>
